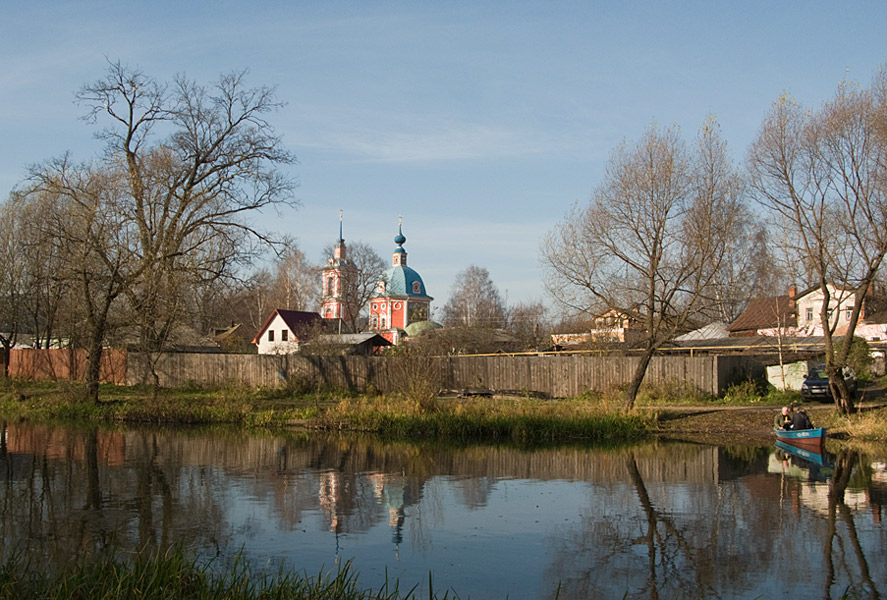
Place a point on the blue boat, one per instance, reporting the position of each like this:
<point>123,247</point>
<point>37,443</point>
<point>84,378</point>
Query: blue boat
<point>807,439</point>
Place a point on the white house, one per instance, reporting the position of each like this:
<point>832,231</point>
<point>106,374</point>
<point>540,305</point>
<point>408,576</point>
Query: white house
<point>284,330</point>
<point>805,318</point>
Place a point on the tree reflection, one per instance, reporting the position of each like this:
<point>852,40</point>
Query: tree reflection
<point>845,463</point>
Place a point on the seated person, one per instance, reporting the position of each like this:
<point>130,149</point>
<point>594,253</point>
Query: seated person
<point>800,420</point>
<point>783,420</point>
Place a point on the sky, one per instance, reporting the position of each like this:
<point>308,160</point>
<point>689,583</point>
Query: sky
<point>480,123</point>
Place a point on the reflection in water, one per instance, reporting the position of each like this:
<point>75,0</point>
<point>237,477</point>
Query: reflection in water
<point>658,520</point>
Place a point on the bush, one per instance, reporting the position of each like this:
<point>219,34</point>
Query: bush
<point>750,391</point>
<point>673,391</point>
<point>859,359</point>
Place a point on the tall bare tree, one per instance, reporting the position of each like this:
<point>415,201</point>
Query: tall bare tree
<point>651,239</point>
<point>823,175</point>
<point>188,165</point>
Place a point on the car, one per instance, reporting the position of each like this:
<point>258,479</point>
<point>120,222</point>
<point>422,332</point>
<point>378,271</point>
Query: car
<point>815,386</point>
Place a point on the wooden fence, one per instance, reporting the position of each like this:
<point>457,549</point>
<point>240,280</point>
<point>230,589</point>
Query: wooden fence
<point>65,365</point>
<point>550,375</point>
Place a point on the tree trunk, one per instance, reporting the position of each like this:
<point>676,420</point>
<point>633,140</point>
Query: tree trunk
<point>94,367</point>
<point>840,392</point>
<point>635,385</point>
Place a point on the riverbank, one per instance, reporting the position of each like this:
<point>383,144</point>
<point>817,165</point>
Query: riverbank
<point>497,418</point>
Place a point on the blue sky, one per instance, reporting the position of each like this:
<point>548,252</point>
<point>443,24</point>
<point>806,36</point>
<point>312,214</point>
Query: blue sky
<point>480,122</point>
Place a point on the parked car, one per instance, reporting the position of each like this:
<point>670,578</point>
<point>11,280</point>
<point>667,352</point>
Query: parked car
<point>815,386</point>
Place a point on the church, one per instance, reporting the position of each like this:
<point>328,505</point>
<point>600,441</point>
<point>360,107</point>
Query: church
<point>399,298</point>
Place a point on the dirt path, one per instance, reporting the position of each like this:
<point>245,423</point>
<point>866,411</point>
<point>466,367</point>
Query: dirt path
<point>738,423</point>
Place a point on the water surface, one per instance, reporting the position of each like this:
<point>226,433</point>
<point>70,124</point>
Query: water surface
<point>656,520</point>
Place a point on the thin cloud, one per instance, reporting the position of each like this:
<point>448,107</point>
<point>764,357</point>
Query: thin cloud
<point>441,142</point>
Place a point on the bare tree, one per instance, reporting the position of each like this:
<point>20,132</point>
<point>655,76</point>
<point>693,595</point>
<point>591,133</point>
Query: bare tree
<point>652,237</point>
<point>822,175</point>
<point>81,212</point>
<point>750,269</point>
<point>529,323</point>
<point>12,279</point>
<point>295,281</point>
<point>474,301</point>
<point>366,270</point>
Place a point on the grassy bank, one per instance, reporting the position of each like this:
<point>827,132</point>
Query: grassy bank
<point>520,420</point>
<point>161,576</point>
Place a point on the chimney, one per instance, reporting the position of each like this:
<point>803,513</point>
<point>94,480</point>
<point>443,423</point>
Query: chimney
<point>792,292</point>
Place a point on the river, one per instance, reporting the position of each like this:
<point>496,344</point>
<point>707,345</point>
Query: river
<point>657,520</point>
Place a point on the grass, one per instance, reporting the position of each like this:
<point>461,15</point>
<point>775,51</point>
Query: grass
<point>172,574</point>
<point>231,404</point>
<point>519,420</point>
<point>863,426</point>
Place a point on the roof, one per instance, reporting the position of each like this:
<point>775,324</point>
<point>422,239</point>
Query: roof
<point>295,320</point>
<point>400,282</point>
<point>419,327</point>
<point>353,339</point>
<point>712,331</point>
<point>765,313</point>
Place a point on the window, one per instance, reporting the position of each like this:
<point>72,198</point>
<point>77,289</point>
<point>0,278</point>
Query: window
<point>284,335</point>
<point>848,312</point>
<point>417,287</point>
<point>382,323</point>
<point>809,313</point>
<point>270,335</point>
<point>374,322</point>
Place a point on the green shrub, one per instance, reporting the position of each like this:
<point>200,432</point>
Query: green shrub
<point>672,391</point>
<point>750,391</point>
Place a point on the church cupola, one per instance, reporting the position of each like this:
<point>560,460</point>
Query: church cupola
<point>399,258</point>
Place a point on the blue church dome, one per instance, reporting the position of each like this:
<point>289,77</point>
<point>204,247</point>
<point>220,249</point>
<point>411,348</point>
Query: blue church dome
<point>400,280</point>
<point>403,281</point>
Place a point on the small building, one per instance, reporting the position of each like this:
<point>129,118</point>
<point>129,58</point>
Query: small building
<point>285,330</point>
<point>610,327</point>
<point>346,343</point>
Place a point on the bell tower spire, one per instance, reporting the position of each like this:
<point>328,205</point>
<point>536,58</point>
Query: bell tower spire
<point>335,280</point>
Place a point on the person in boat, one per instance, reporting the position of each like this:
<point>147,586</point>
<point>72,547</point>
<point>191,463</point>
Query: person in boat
<point>800,420</point>
<point>783,420</point>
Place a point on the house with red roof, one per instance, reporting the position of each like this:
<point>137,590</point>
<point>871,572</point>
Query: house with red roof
<point>285,330</point>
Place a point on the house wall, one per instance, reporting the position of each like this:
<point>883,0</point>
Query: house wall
<point>809,306</point>
<point>278,326</point>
